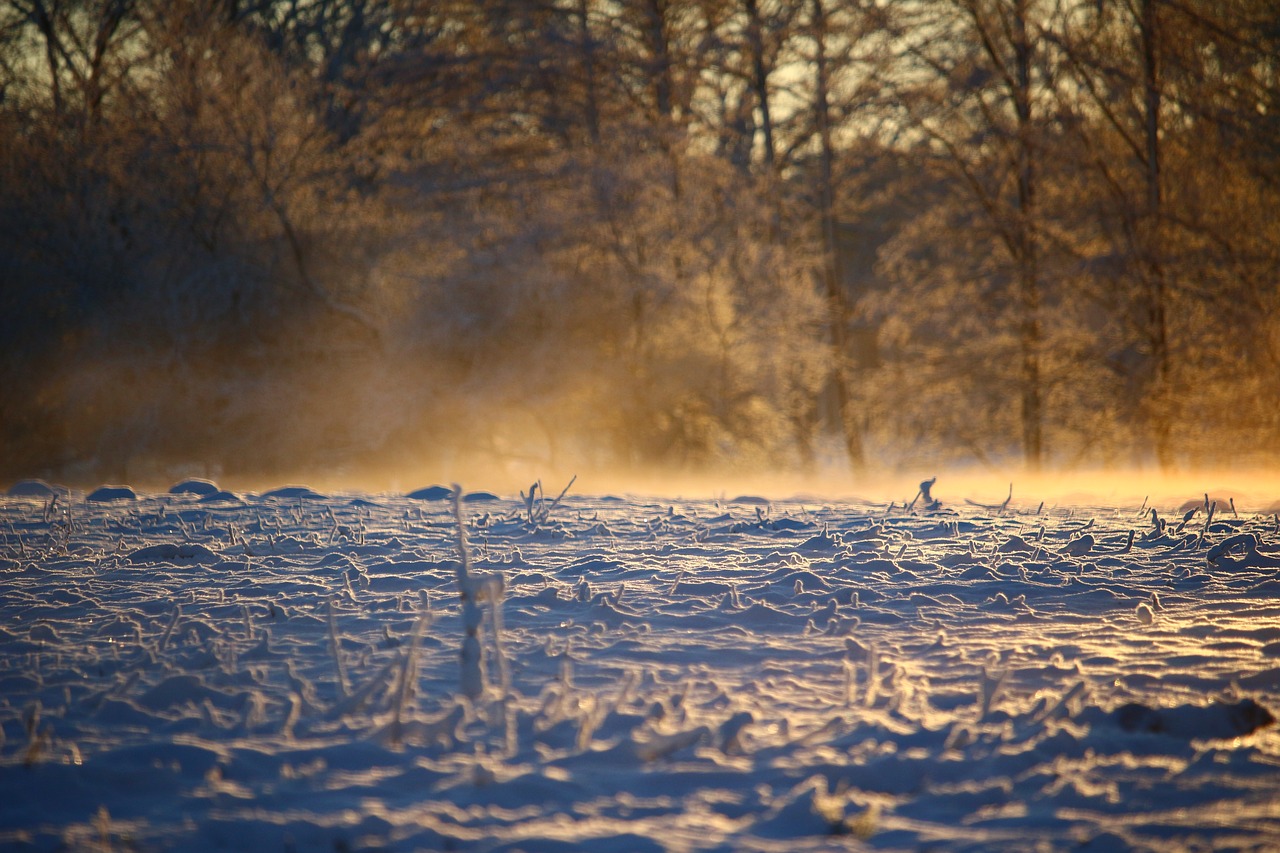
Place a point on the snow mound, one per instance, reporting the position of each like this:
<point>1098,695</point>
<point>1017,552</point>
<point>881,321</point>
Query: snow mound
<point>34,489</point>
<point>431,493</point>
<point>293,493</point>
<point>220,497</point>
<point>106,494</point>
<point>201,488</point>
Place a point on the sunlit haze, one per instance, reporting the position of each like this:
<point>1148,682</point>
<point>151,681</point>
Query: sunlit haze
<point>639,426</point>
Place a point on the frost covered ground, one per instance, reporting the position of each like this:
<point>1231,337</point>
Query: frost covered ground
<point>281,672</point>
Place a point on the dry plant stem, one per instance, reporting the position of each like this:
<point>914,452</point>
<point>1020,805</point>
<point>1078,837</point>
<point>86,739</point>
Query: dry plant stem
<point>529,500</point>
<point>168,632</point>
<point>356,699</point>
<point>1128,545</point>
<point>1222,554</point>
<point>408,672</point>
<point>560,496</point>
<point>335,649</point>
<point>494,591</point>
<point>990,690</point>
<point>471,679</point>
<point>500,718</point>
<point>1208,520</point>
<point>536,508</point>
<point>873,677</point>
<point>1000,507</point>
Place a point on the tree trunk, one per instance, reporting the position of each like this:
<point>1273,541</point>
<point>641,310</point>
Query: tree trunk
<point>586,46</point>
<point>1153,270</point>
<point>832,276</point>
<point>1029,331</point>
<point>760,81</point>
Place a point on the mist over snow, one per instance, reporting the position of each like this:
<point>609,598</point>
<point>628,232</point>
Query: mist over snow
<point>296,670</point>
<point>793,290</point>
<point>273,241</point>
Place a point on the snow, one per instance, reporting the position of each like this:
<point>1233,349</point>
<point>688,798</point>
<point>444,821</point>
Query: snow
<point>431,493</point>
<point>284,671</point>
<point>31,489</point>
<point>196,486</point>
<point>104,494</point>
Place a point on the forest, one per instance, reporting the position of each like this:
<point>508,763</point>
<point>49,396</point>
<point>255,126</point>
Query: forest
<point>272,237</point>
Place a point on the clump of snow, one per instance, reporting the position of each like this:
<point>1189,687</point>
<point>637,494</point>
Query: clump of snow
<point>294,493</point>
<point>104,494</point>
<point>196,486</point>
<point>431,493</point>
<point>219,496</point>
<point>34,489</point>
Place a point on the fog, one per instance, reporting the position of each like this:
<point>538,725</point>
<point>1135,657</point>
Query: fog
<point>806,249</point>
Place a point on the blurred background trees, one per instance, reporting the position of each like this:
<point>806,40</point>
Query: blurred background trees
<point>257,237</point>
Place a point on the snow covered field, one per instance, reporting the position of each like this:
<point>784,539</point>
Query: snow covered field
<point>282,672</point>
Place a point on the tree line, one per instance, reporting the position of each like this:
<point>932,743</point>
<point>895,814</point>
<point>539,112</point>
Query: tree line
<point>269,235</point>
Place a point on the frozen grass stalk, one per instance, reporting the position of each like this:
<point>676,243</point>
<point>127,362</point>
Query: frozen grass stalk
<point>336,649</point>
<point>494,592</point>
<point>873,676</point>
<point>536,507</point>
<point>989,690</point>
<point>471,680</point>
<point>408,674</point>
<point>168,632</point>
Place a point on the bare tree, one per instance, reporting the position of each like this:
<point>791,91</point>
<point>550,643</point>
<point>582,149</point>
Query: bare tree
<point>985,110</point>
